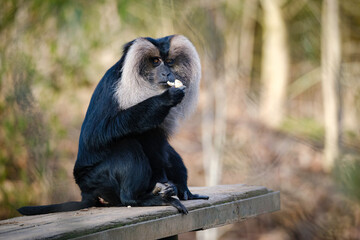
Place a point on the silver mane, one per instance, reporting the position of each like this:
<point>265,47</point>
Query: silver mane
<point>132,88</point>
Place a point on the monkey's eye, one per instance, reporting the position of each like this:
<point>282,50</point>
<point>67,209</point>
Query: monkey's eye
<point>156,61</point>
<point>170,62</point>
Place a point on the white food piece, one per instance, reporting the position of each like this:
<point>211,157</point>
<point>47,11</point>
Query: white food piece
<point>176,84</point>
<point>171,84</point>
<point>129,206</point>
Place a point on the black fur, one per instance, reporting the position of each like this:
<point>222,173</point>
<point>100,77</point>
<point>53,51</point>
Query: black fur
<point>123,154</point>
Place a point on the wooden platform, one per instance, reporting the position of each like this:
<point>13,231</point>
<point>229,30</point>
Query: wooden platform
<point>227,204</point>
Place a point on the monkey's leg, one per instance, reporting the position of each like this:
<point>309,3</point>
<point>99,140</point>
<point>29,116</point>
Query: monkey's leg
<point>177,173</point>
<point>120,178</point>
<point>133,173</point>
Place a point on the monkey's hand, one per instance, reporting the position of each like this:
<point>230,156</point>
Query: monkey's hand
<point>165,190</point>
<point>185,194</point>
<point>174,96</point>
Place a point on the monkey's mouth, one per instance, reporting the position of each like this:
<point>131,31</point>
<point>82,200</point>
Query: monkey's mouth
<point>164,84</point>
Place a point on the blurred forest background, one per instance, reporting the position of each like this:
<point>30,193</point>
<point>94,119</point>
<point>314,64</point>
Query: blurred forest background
<point>279,103</point>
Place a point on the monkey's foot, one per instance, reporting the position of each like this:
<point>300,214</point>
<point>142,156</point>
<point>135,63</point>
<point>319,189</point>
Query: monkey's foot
<point>187,195</point>
<point>198,196</point>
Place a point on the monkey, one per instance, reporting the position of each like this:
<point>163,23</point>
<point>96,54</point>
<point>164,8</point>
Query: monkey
<point>124,155</point>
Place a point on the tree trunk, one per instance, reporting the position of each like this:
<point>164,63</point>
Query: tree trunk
<point>331,68</point>
<point>214,110</point>
<point>247,34</point>
<point>275,65</point>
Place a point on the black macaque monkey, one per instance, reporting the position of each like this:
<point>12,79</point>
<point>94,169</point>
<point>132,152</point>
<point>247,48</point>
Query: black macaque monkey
<point>124,156</point>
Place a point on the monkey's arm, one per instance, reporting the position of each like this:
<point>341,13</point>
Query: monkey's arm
<point>177,173</point>
<point>115,124</point>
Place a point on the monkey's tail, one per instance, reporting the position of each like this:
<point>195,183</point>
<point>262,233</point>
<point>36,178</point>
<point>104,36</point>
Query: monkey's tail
<point>61,207</point>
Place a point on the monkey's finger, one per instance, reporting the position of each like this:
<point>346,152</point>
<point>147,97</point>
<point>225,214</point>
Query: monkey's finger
<point>182,209</point>
<point>177,204</point>
<point>183,87</point>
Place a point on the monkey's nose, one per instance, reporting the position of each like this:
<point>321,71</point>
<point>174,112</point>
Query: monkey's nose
<point>169,77</point>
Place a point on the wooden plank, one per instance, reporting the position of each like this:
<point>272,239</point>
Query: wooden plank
<point>227,204</point>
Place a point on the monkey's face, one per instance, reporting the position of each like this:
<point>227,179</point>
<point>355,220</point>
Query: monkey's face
<point>165,59</point>
<point>159,71</point>
<point>148,65</point>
